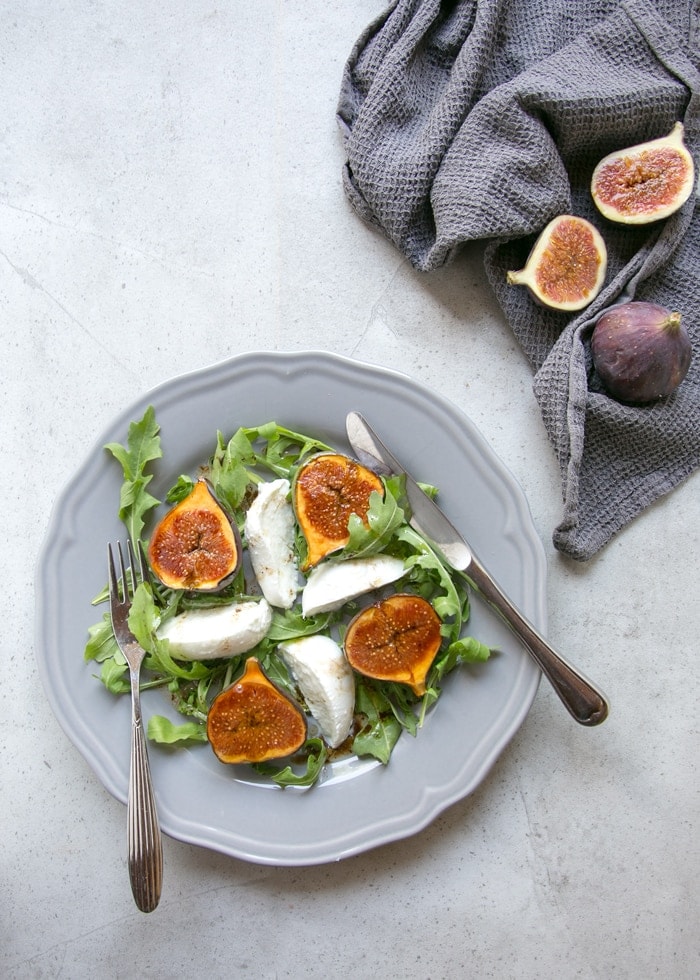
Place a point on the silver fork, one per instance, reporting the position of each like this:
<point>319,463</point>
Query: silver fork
<point>144,844</point>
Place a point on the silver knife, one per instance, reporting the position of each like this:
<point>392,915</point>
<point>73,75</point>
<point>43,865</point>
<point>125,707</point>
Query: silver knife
<point>584,701</point>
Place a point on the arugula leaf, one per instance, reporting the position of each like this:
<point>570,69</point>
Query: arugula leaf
<point>316,753</point>
<point>143,446</point>
<point>144,617</point>
<point>384,517</point>
<point>381,730</point>
<point>283,447</point>
<point>183,488</point>
<point>192,699</point>
<point>289,624</point>
<point>229,471</point>
<point>114,675</point>
<point>276,670</point>
<point>160,661</point>
<point>428,489</point>
<point>402,701</point>
<point>162,730</point>
<point>271,447</point>
<point>465,650</point>
<point>101,644</point>
<point>453,605</point>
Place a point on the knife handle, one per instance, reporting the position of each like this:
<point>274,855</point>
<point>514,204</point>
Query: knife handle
<point>583,701</point>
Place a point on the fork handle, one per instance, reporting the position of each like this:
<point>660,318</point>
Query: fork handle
<point>144,843</point>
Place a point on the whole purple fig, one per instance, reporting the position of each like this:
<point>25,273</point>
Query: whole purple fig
<point>641,351</point>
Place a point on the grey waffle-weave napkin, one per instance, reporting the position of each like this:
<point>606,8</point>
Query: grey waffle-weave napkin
<point>482,120</point>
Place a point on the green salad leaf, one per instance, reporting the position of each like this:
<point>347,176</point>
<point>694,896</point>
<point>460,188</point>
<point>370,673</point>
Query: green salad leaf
<point>384,518</point>
<point>162,730</point>
<point>315,753</point>
<point>381,729</point>
<point>143,446</point>
<point>235,465</point>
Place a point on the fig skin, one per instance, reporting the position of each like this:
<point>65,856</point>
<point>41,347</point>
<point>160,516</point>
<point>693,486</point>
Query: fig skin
<point>646,182</point>
<point>641,352</point>
<point>327,489</point>
<point>196,546</point>
<point>566,268</point>
<point>253,720</point>
<point>396,639</point>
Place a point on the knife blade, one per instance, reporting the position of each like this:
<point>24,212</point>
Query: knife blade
<point>586,703</point>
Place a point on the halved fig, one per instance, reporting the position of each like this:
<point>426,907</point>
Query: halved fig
<point>566,267</point>
<point>196,546</point>
<point>395,640</point>
<point>328,488</point>
<point>253,720</point>
<point>645,182</point>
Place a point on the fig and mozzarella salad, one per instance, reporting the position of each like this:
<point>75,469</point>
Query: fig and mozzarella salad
<point>291,613</point>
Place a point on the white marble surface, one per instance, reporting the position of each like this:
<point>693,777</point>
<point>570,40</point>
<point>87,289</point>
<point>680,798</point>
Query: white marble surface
<point>170,195</point>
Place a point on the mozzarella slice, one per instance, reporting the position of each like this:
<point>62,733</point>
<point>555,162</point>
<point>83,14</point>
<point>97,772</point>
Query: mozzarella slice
<point>326,682</point>
<point>331,584</point>
<point>221,631</point>
<point>269,532</point>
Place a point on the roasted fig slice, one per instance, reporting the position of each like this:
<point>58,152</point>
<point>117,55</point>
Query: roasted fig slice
<point>395,640</point>
<point>253,720</point>
<point>566,267</point>
<point>645,182</point>
<point>328,488</point>
<point>196,546</point>
<point>641,351</point>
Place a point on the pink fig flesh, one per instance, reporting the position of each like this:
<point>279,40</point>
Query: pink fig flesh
<point>641,351</point>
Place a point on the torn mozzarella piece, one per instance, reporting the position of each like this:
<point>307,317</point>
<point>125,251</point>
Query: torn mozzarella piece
<point>335,582</point>
<point>269,532</point>
<point>220,631</point>
<point>326,682</point>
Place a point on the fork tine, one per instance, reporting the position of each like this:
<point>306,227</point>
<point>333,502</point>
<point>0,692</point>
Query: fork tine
<point>132,566</point>
<point>113,583</point>
<point>143,564</point>
<point>122,569</point>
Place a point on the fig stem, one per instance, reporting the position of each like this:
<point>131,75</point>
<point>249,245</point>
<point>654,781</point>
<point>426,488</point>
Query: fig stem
<point>672,323</point>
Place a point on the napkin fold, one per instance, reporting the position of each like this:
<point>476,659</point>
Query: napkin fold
<point>470,120</point>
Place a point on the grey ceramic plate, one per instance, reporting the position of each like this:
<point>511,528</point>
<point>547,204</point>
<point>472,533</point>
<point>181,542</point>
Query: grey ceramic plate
<point>359,805</point>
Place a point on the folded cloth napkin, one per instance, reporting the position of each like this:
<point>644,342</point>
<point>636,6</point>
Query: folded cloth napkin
<point>473,120</point>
